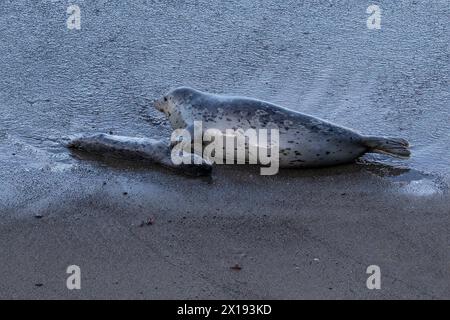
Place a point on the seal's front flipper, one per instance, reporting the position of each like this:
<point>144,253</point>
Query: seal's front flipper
<point>186,137</point>
<point>130,148</point>
<point>196,167</point>
<point>396,147</point>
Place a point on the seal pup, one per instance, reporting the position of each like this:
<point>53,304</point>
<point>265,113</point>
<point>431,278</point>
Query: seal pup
<point>141,149</point>
<point>305,141</point>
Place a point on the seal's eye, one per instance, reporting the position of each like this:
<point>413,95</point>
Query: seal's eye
<point>165,98</point>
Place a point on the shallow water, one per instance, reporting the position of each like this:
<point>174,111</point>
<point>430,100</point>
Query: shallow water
<point>317,58</point>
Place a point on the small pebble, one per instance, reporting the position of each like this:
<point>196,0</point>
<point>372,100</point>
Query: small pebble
<point>236,267</point>
<point>149,222</point>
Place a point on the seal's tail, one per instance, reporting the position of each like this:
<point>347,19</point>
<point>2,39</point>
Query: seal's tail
<point>396,147</point>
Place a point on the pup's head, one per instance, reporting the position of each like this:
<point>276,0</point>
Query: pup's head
<point>174,98</point>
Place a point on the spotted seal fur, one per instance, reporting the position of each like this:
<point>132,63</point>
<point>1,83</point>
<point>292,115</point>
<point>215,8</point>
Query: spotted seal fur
<point>305,141</point>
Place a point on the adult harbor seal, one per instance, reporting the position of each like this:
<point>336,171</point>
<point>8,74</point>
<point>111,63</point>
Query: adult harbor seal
<point>304,141</point>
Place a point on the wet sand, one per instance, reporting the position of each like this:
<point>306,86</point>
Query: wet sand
<point>141,232</point>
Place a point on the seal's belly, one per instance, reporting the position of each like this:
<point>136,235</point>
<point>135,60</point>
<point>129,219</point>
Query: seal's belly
<point>312,149</point>
<point>300,145</point>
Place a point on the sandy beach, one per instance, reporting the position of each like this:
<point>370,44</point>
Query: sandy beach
<point>144,232</point>
<point>311,235</point>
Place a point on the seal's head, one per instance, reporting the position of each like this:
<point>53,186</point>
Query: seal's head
<point>175,98</point>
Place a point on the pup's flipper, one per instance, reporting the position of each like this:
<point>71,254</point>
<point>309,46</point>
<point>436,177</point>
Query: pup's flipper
<point>130,148</point>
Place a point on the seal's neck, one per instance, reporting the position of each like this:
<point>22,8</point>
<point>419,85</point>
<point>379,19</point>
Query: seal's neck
<point>179,117</point>
<point>170,109</point>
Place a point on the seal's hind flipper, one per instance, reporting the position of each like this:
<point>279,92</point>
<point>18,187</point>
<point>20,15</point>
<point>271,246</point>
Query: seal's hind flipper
<point>396,147</point>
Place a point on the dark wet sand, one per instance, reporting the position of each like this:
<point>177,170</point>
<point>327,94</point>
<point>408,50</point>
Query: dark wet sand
<point>301,234</point>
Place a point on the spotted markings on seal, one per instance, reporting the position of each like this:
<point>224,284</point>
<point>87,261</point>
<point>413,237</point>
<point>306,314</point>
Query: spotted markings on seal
<point>305,141</point>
